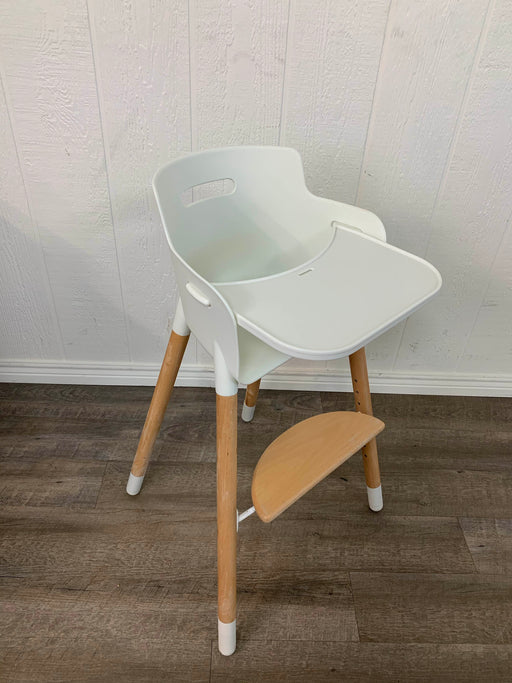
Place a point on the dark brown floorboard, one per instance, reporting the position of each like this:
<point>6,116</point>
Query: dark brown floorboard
<point>433,608</point>
<point>314,662</point>
<point>99,586</point>
<point>59,634</point>
<point>49,482</point>
<point>490,543</point>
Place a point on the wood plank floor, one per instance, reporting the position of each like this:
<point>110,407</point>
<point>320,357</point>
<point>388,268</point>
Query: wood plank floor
<point>98,586</point>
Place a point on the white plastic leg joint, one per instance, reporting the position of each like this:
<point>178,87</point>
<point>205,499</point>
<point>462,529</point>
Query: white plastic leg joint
<point>180,323</point>
<point>227,637</point>
<point>134,484</point>
<point>225,383</point>
<point>247,412</point>
<point>375,498</point>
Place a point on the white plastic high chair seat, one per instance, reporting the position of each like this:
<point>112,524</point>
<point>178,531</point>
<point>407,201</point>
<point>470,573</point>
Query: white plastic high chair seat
<point>268,271</point>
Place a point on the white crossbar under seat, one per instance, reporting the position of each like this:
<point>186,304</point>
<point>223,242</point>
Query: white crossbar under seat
<point>267,271</point>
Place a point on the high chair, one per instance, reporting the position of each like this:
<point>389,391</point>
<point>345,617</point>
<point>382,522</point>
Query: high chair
<point>267,271</point>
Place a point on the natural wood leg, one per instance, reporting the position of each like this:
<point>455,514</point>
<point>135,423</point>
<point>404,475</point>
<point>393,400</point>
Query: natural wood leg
<point>251,396</point>
<point>226,521</point>
<point>164,386</point>
<point>359,371</point>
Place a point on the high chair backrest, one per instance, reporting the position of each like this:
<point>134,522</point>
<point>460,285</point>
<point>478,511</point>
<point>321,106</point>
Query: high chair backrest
<point>262,221</point>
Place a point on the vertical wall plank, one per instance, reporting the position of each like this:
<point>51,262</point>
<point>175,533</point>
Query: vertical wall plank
<point>49,74</point>
<point>489,344</point>
<point>425,68</point>
<point>29,328</point>
<point>332,63</point>
<point>141,53</point>
<point>426,63</point>
<point>474,206</point>
<point>238,51</point>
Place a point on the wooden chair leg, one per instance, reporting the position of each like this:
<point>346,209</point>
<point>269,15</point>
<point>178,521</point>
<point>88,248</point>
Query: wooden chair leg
<point>164,386</point>
<point>359,372</point>
<point>251,396</point>
<point>226,520</point>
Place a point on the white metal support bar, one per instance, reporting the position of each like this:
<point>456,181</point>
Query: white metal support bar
<point>240,516</point>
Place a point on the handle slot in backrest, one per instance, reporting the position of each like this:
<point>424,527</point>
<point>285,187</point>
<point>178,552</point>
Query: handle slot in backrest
<point>207,190</point>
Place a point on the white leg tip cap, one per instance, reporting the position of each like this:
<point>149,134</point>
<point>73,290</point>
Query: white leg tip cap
<point>375,498</point>
<point>134,484</point>
<point>227,637</point>
<point>248,412</point>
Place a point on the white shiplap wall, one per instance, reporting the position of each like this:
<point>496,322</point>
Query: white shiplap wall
<point>402,107</point>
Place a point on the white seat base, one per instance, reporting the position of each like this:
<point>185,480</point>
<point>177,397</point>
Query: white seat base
<point>257,359</point>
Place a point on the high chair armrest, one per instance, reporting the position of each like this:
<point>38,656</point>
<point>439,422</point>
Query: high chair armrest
<point>351,217</point>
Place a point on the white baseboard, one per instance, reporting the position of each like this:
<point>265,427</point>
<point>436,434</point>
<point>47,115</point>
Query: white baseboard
<point>305,380</point>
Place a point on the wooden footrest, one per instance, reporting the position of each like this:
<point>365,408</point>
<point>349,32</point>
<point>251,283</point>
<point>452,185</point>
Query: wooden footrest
<point>304,455</point>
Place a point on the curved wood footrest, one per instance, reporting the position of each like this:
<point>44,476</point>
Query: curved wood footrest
<point>304,455</point>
